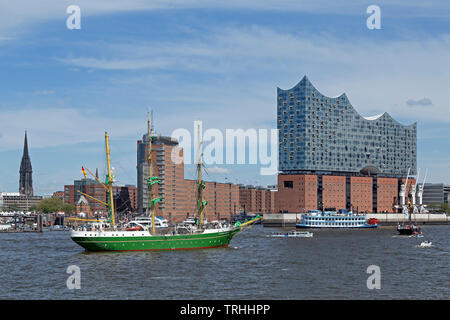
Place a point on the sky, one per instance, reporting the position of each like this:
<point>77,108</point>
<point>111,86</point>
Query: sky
<point>217,61</point>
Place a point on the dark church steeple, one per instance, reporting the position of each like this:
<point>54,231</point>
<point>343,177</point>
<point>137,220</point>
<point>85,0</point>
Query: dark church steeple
<point>26,180</point>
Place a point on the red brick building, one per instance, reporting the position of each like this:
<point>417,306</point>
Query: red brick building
<point>302,192</point>
<point>333,192</point>
<point>125,197</point>
<point>361,194</point>
<point>296,193</point>
<point>179,195</point>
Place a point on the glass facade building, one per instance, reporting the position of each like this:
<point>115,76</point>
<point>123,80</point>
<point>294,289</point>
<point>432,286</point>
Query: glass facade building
<point>320,134</point>
<point>435,193</point>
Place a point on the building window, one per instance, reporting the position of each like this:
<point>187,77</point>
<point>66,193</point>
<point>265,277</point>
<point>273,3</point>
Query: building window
<point>288,184</point>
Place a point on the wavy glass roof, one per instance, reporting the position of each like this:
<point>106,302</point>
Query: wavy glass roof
<point>324,133</point>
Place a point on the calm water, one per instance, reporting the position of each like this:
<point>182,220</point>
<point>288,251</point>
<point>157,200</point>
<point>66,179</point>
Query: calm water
<point>331,265</point>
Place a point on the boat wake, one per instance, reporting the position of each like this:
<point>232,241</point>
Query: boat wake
<point>401,236</point>
<point>425,244</point>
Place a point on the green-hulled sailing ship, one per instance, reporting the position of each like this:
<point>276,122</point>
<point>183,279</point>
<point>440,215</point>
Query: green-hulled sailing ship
<point>196,235</point>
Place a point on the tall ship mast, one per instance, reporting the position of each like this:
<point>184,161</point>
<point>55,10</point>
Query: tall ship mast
<point>151,179</point>
<point>109,182</point>
<point>201,203</point>
<point>408,208</point>
<point>140,235</point>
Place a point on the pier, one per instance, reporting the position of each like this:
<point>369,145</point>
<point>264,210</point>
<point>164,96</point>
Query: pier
<point>289,219</point>
<point>15,222</point>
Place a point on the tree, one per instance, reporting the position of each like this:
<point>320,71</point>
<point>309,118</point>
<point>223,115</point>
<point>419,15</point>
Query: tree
<point>433,206</point>
<point>69,208</point>
<point>445,208</point>
<point>52,205</point>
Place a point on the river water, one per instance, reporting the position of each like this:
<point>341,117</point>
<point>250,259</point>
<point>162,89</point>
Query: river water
<point>331,265</point>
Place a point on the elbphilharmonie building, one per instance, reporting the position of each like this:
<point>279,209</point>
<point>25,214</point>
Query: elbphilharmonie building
<point>325,139</point>
<point>320,133</point>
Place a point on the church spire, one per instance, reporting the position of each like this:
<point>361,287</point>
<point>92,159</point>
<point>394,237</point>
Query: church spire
<point>26,171</point>
<point>25,145</point>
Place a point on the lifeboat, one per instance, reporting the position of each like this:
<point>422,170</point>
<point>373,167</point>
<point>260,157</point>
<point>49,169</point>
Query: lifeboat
<point>138,228</point>
<point>372,221</point>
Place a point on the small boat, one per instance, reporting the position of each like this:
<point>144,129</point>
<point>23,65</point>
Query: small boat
<point>294,234</point>
<point>416,235</point>
<point>57,227</point>
<point>5,227</point>
<point>134,228</point>
<point>408,229</point>
<point>425,244</point>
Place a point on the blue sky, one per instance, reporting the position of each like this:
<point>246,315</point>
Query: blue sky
<point>218,61</point>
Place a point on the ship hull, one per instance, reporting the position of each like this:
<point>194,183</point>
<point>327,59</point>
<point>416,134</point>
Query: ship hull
<point>143,241</point>
<point>405,232</point>
<point>408,229</point>
<point>365,226</point>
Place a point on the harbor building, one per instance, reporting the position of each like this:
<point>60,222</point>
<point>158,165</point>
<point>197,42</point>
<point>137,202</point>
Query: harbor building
<point>331,157</point>
<point>437,193</point>
<point>256,199</point>
<point>179,195</point>
<point>14,201</point>
<point>58,195</point>
<point>125,197</point>
<point>171,188</point>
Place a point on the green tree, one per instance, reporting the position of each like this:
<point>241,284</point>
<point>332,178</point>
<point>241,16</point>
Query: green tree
<point>69,208</point>
<point>445,208</point>
<point>52,205</point>
<point>433,206</point>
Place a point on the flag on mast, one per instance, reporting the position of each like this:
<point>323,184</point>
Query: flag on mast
<point>84,172</point>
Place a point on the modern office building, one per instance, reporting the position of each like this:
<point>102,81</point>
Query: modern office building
<point>14,201</point>
<point>435,193</point>
<point>332,157</point>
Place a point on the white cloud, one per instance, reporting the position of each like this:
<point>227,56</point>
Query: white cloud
<point>19,15</point>
<point>251,62</point>
<point>52,127</point>
<point>419,102</point>
<point>107,64</point>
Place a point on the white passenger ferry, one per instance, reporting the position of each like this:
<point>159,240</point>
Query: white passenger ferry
<point>331,219</point>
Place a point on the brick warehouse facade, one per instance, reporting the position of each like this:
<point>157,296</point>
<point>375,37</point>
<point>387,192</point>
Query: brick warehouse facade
<point>333,158</point>
<point>125,196</point>
<point>179,195</point>
<point>302,192</point>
